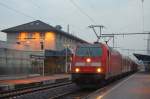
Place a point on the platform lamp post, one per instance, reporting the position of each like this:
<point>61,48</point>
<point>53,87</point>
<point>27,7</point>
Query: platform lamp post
<point>66,56</point>
<point>43,49</point>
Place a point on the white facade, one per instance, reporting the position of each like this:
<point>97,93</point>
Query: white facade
<point>39,36</point>
<point>34,40</point>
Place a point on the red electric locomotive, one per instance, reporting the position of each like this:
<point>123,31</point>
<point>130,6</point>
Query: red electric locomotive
<point>94,63</point>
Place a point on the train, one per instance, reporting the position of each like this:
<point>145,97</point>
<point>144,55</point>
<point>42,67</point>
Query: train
<point>96,63</point>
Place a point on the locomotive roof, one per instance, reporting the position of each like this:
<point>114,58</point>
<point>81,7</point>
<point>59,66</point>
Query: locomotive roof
<point>113,50</point>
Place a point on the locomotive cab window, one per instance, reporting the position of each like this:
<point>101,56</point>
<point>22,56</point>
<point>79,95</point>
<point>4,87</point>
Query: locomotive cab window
<point>89,51</point>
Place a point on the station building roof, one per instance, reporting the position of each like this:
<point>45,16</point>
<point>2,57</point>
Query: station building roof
<point>50,53</point>
<point>39,26</point>
<point>144,58</point>
<point>35,26</point>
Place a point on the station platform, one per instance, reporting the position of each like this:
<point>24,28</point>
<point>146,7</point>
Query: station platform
<point>136,86</point>
<point>11,84</point>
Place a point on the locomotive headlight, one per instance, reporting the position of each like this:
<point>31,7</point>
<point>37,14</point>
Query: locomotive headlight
<point>88,60</point>
<point>77,70</point>
<point>99,70</point>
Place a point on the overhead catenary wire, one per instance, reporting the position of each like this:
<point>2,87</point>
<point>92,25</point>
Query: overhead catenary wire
<point>36,5</point>
<point>125,34</point>
<point>17,11</point>
<point>83,12</point>
<point>127,49</point>
<point>39,7</point>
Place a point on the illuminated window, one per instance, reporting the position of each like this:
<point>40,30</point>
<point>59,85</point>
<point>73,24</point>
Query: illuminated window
<point>42,35</point>
<point>36,35</point>
<point>30,35</point>
<point>50,40</point>
<point>22,35</point>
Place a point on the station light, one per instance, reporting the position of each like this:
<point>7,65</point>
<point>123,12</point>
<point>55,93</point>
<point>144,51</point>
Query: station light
<point>99,70</point>
<point>88,60</point>
<point>77,70</point>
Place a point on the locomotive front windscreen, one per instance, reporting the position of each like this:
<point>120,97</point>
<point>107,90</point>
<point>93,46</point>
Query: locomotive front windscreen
<point>89,51</point>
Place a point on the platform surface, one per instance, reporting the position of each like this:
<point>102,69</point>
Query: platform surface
<point>34,79</point>
<point>10,84</point>
<point>136,86</point>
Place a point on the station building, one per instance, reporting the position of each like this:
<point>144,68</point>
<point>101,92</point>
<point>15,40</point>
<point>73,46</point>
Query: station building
<point>49,44</point>
<point>37,35</point>
<point>3,44</point>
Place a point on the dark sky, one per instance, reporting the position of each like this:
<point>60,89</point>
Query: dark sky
<point>119,16</point>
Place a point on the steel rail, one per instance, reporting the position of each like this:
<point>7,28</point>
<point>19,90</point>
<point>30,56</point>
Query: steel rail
<point>18,92</point>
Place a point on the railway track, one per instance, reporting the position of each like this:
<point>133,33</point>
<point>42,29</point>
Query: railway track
<point>77,95</point>
<point>61,90</point>
<point>91,93</point>
<point>40,92</point>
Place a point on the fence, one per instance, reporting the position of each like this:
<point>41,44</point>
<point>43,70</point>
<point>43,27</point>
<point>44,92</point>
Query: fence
<point>13,62</point>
